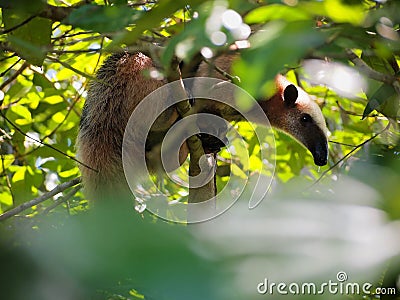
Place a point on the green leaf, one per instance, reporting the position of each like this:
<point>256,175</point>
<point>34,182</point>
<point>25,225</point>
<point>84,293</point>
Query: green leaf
<point>119,2</point>
<point>69,173</point>
<point>42,81</point>
<point>58,117</point>
<point>24,114</point>
<point>337,10</point>
<point>377,63</point>
<point>19,175</point>
<point>18,90</point>
<point>31,47</point>
<point>6,161</point>
<point>277,12</point>
<point>28,6</point>
<point>6,198</point>
<point>385,100</point>
<point>279,44</point>
<point>192,38</point>
<point>102,18</point>
<point>152,18</point>
<point>23,183</point>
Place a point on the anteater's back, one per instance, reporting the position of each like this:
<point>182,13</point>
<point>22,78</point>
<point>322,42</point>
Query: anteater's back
<point>120,85</point>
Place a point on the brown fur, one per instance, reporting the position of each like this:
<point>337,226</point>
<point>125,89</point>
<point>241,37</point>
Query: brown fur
<point>122,83</point>
<point>120,87</point>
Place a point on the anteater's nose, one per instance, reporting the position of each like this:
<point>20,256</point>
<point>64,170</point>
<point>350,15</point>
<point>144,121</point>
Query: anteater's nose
<point>320,154</point>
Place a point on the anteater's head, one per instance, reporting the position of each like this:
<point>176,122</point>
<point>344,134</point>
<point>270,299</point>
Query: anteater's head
<point>293,111</point>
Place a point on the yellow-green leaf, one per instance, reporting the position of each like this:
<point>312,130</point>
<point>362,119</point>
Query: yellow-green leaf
<point>276,12</point>
<point>23,112</point>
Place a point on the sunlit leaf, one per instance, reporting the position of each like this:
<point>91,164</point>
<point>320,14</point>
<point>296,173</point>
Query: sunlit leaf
<point>23,113</point>
<point>337,10</point>
<point>58,117</point>
<point>6,198</point>
<point>69,173</point>
<point>53,99</point>
<point>6,161</point>
<point>19,174</point>
<point>277,12</point>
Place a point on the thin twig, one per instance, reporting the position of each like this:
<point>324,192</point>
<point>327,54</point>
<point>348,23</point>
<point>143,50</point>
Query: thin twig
<point>7,57</point>
<point>89,51</point>
<point>348,154</point>
<point>67,35</point>
<point>68,66</point>
<point>351,113</point>
<point>58,189</point>
<point>343,144</point>
<point>76,41</point>
<point>45,144</point>
<point>5,133</point>
<point>59,13</point>
<point>5,31</point>
<point>232,78</point>
<point>14,76</point>
<point>69,110</point>
<point>142,3</point>
<point>10,67</point>
<point>63,199</point>
<point>99,57</point>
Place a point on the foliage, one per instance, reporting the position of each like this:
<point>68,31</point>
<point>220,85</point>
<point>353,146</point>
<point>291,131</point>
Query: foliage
<point>51,50</point>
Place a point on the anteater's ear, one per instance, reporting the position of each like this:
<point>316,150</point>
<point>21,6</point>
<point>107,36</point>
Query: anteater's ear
<point>290,95</point>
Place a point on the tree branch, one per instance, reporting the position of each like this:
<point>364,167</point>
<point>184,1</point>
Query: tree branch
<point>231,78</point>
<point>371,73</point>
<point>58,189</point>
<point>58,13</point>
<point>208,190</point>
<point>367,70</point>
<point>63,199</point>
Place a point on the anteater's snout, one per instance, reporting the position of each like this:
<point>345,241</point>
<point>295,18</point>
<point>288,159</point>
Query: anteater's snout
<point>320,154</point>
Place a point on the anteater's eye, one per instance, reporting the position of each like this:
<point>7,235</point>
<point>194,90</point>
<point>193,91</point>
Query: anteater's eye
<point>305,118</point>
